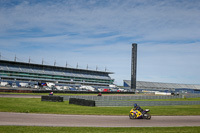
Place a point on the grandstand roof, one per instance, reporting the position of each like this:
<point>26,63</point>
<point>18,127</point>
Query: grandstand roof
<point>158,85</point>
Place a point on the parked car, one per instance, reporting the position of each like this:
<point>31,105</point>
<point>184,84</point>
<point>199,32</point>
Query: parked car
<point>106,90</point>
<point>47,88</point>
<point>72,89</point>
<point>14,85</point>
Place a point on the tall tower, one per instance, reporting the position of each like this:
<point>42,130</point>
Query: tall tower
<point>133,66</point>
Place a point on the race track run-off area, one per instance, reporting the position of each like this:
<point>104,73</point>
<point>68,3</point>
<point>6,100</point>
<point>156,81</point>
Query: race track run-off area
<point>30,119</point>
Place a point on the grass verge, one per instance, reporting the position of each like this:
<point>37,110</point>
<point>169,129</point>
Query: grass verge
<point>35,129</point>
<point>35,105</point>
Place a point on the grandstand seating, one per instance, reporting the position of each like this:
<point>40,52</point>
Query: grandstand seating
<point>29,72</point>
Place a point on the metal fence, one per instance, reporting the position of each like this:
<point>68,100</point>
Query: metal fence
<point>136,97</point>
<point>125,100</point>
<point>145,103</point>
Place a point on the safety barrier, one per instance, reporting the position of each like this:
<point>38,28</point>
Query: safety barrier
<point>52,98</point>
<point>114,98</point>
<point>124,100</point>
<point>145,103</point>
<point>82,102</point>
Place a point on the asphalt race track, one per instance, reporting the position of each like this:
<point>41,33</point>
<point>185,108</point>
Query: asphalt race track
<point>30,119</point>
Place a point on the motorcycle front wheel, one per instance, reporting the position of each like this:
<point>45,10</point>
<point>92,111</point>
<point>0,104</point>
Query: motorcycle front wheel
<point>148,116</point>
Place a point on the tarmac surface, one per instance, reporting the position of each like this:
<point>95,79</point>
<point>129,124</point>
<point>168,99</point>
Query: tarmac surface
<point>31,119</point>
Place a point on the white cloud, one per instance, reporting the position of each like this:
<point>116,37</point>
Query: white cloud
<point>97,32</point>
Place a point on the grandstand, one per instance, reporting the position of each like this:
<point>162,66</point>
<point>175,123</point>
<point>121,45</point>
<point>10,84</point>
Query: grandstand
<point>161,86</point>
<point>30,72</point>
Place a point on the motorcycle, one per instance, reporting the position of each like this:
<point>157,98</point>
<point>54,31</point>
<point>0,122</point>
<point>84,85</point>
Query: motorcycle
<point>136,114</point>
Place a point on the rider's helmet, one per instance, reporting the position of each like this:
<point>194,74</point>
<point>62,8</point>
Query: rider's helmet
<point>135,105</point>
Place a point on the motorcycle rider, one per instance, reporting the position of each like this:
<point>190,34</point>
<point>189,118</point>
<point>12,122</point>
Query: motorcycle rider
<point>137,107</point>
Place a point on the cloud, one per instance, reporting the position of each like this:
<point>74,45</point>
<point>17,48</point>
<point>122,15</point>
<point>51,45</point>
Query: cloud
<point>100,33</point>
<point>136,19</point>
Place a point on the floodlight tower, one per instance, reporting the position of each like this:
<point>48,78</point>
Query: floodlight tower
<point>133,66</point>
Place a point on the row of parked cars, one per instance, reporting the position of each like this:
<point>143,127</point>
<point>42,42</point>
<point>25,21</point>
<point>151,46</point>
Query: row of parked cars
<point>86,88</point>
<point>18,84</point>
<point>62,87</point>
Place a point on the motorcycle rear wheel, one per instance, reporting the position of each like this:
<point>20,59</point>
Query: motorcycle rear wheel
<point>132,116</point>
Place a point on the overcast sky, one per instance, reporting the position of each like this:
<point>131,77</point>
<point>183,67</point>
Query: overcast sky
<point>100,33</point>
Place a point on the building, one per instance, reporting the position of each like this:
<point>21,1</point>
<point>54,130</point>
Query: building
<point>29,72</point>
<point>153,86</point>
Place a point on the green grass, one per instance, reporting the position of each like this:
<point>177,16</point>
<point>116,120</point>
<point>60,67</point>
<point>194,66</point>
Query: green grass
<point>35,129</point>
<point>35,105</point>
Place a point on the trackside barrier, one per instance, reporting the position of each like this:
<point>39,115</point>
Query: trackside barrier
<point>145,103</point>
<point>52,98</point>
<point>82,102</point>
<point>123,100</point>
<point>191,95</point>
<point>114,98</point>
